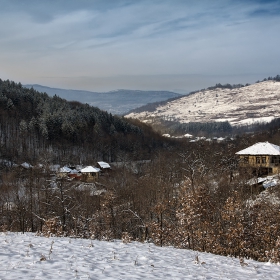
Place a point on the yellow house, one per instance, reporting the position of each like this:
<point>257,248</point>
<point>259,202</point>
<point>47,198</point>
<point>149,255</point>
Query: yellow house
<point>90,174</point>
<point>262,157</point>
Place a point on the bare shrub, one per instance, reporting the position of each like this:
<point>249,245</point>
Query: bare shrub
<point>52,228</point>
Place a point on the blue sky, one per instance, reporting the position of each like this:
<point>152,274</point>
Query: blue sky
<point>178,45</point>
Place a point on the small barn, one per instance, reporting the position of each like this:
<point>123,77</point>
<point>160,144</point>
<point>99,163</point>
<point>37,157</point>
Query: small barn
<point>104,166</point>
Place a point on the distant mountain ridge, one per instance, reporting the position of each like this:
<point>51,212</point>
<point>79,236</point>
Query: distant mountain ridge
<point>117,102</point>
<point>259,102</point>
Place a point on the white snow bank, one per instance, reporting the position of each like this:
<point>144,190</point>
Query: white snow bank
<point>26,165</point>
<point>254,120</point>
<point>26,256</point>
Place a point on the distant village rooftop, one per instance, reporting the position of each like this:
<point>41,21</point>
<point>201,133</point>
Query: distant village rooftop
<point>103,164</point>
<point>261,148</point>
<point>90,169</point>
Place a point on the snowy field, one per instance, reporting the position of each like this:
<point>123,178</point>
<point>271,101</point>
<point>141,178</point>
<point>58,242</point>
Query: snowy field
<point>26,256</point>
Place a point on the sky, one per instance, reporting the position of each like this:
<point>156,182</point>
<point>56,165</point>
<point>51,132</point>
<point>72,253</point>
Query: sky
<point>176,45</point>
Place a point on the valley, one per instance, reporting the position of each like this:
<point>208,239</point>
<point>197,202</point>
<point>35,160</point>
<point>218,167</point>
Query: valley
<point>117,102</point>
<point>170,192</point>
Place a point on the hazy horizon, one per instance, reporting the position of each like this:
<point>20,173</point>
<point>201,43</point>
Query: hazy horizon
<point>191,82</point>
<point>101,46</point>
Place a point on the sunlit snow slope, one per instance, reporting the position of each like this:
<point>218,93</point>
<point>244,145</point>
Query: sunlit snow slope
<point>259,102</point>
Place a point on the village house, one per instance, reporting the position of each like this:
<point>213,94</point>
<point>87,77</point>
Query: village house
<point>262,157</point>
<point>90,174</point>
<point>75,174</point>
<point>86,174</point>
<point>63,172</point>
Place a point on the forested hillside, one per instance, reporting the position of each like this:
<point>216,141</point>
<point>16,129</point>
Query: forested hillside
<point>36,127</point>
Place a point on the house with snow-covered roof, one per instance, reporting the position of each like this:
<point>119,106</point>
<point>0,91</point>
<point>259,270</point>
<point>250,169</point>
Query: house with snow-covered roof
<point>262,157</point>
<point>63,172</point>
<point>90,174</point>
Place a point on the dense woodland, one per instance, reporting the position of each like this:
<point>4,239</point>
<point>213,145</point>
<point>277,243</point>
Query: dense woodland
<point>190,195</point>
<point>35,126</point>
<point>196,128</point>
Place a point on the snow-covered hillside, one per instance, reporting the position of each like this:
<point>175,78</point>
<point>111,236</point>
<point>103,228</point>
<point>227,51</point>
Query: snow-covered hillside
<point>259,102</point>
<point>26,256</point>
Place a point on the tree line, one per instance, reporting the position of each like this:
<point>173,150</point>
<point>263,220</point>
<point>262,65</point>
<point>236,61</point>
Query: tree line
<point>197,128</point>
<point>270,78</point>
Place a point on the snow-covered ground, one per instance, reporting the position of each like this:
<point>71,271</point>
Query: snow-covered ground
<point>26,256</point>
<point>259,102</point>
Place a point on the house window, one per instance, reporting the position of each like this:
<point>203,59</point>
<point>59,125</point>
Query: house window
<point>258,160</point>
<point>275,159</point>
<point>263,159</point>
<point>246,159</point>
